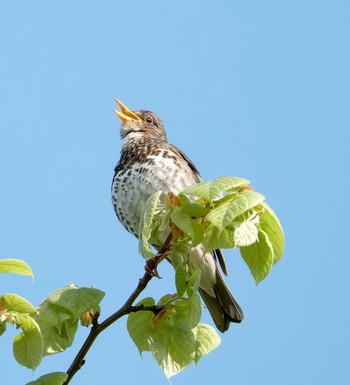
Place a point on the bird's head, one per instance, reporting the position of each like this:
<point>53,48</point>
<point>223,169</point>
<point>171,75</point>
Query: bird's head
<point>139,124</point>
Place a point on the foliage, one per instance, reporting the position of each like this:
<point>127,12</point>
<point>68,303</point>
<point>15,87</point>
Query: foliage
<point>225,213</point>
<point>49,328</point>
<point>222,214</point>
<point>174,336</point>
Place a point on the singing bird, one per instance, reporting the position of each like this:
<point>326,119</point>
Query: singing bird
<point>148,163</point>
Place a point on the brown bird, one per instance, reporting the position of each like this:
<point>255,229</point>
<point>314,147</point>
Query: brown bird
<point>148,163</point>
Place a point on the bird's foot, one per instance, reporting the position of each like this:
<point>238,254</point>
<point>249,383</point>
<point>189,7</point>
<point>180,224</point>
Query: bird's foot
<point>151,267</point>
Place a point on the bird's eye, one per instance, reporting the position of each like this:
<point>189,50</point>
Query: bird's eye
<point>149,119</point>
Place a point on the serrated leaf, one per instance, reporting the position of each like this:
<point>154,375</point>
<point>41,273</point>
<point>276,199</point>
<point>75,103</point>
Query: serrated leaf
<point>16,266</point>
<point>16,303</point>
<point>190,227</point>
<point>145,229</point>
<point>55,378</point>
<point>259,257</point>
<point>245,233</point>
<point>225,213</point>
<point>216,239</point>
<point>138,325</point>
<point>28,345</point>
<point>270,224</point>
<point>77,300</point>
<point>207,339</point>
<point>231,182</point>
<point>211,190</point>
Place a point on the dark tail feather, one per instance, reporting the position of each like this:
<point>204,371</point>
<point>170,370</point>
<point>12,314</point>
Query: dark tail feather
<point>224,309</point>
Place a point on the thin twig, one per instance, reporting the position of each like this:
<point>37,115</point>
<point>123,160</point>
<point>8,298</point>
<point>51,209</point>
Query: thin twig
<point>127,308</point>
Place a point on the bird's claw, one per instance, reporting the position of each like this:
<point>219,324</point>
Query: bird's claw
<point>151,267</point>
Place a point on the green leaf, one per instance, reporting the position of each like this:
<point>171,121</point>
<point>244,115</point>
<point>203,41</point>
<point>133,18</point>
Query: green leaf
<point>16,303</point>
<point>225,213</point>
<point>166,299</point>
<point>16,266</point>
<point>190,227</point>
<point>191,209</point>
<point>57,340</point>
<point>182,346</point>
<point>246,232</point>
<point>211,190</point>
<point>55,378</point>
<point>53,314</point>
<point>28,346</point>
<point>76,300</point>
<point>58,315</point>
<point>188,312</point>
<point>2,327</point>
<point>216,239</point>
<point>270,224</point>
<point>194,282</point>
<point>145,229</point>
<point>207,339</point>
<point>138,325</point>
<point>181,279</point>
<point>259,257</point>
<point>159,340</point>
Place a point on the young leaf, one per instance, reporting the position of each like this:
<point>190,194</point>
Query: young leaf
<point>207,339</point>
<point>216,239</point>
<point>182,346</point>
<point>57,340</point>
<point>270,224</point>
<point>210,190</point>
<point>55,378</point>
<point>181,279</point>
<point>2,327</point>
<point>145,228</point>
<point>53,314</point>
<point>190,227</point>
<point>194,282</point>
<point>138,325</point>
<point>77,300</point>
<point>16,266</point>
<point>28,346</point>
<point>188,312</point>
<point>246,232</point>
<point>15,303</point>
<point>259,257</point>
<point>224,214</point>
<point>159,339</point>
<point>194,210</point>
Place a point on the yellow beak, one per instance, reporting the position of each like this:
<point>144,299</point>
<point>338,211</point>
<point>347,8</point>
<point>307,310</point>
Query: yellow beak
<point>126,114</point>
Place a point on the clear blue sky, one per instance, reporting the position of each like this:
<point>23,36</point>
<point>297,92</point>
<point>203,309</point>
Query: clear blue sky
<point>257,89</point>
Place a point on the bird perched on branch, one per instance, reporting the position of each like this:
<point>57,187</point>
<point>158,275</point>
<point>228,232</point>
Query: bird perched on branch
<point>148,163</point>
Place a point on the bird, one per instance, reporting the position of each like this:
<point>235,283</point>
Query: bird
<point>149,163</point>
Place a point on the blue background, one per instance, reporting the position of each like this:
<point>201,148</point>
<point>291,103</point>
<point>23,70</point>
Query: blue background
<point>257,89</point>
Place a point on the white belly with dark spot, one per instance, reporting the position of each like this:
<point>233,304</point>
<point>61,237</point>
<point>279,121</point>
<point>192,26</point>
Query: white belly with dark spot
<point>134,185</point>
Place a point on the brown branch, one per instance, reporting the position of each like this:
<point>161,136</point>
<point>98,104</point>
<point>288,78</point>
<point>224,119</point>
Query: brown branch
<point>127,308</point>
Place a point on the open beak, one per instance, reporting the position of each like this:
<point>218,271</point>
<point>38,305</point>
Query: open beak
<point>125,115</point>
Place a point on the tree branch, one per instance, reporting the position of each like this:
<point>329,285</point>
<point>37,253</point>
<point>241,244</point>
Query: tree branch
<point>127,308</point>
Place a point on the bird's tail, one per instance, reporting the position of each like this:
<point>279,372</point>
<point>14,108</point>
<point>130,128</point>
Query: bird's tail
<point>223,308</point>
